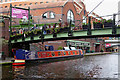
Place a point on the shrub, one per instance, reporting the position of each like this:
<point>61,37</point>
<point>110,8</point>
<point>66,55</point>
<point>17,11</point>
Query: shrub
<point>109,21</point>
<point>92,51</point>
<point>102,50</point>
<point>60,48</point>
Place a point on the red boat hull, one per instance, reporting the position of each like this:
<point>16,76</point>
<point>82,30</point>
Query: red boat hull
<point>18,62</point>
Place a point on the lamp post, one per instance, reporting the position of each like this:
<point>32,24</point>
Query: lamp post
<point>10,45</point>
<point>70,31</point>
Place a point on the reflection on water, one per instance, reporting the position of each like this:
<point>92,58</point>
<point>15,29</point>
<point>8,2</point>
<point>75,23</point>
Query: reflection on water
<point>103,66</point>
<point>18,72</point>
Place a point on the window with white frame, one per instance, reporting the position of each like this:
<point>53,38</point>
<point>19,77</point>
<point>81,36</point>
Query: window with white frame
<point>49,15</point>
<point>70,16</point>
<point>45,15</point>
<point>52,15</point>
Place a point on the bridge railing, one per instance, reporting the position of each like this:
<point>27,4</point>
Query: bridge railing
<point>69,27</point>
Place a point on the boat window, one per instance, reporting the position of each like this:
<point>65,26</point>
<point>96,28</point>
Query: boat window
<point>48,54</point>
<point>64,53</point>
<point>39,54</point>
<point>53,54</point>
<point>30,3</point>
<point>59,54</point>
<point>69,53</point>
<point>73,53</point>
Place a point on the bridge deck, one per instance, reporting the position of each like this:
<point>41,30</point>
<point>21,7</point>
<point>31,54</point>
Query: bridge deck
<point>76,34</point>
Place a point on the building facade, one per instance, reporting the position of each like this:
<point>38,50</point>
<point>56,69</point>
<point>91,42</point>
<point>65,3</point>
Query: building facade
<point>89,45</point>
<point>50,11</point>
<point>4,35</point>
<point>55,11</point>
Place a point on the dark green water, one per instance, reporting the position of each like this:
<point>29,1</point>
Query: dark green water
<point>102,66</point>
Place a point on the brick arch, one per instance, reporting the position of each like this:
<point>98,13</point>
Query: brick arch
<point>72,12</point>
<point>69,6</point>
<point>49,13</point>
<point>40,11</point>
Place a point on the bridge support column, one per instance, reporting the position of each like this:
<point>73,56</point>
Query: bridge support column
<point>27,46</point>
<point>70,31</point>
<point>10,45</point>
<point>32,36</point>
<point>114,26</point>
<point>54,33</point>
<point>28,18</point>
<point>42,35</point>
<point>89,27</point>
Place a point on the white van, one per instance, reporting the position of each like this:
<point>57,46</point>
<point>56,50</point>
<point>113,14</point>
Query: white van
<point>67,48</point>
<point>72,48</point>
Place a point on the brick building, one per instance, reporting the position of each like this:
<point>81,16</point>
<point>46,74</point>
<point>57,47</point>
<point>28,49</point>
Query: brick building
<point>50,11</point>
<point>4,34</point>
<point>92,44</point>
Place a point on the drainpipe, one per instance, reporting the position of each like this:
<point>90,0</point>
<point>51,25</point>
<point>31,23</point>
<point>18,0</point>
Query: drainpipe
<point>62,14</point>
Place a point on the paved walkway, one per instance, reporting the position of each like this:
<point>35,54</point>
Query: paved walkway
<point>6,61</point>
<point>98,53</point>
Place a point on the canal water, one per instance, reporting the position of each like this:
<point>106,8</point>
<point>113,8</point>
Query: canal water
<point>100,66</point>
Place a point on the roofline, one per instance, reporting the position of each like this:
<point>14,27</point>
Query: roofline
<point>10,2</point>
<point>35,9</point>
<point>45,8</point>
<point>65,3</point>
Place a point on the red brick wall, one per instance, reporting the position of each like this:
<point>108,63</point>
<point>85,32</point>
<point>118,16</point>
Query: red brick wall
<point>62,43</point>
<point>5,30</point>
<point>67,7</point>
<point>37,14</point>
<point>5,34</point>
<point>5,49</point>
<point>56,44</point>
<point>70,6</point>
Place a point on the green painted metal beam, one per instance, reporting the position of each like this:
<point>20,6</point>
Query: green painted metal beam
<point>80,33</point>
<point>118,30</point>
<point>102,32</point>
<point>95,32</point>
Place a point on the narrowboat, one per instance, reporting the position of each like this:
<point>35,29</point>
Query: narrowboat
<point>22,56</point>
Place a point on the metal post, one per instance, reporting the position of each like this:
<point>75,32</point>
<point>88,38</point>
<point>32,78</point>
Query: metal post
<point>70,26</point>
<point>89,27</point>
<point>10,18</point>
<point>114,27</point>
<point>10,45</point>
<point>42,35</point>
<point>28,18</point>
<point>54,33</point>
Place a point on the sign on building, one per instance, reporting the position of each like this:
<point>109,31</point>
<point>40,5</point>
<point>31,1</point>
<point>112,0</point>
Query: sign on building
<point>19,13</point>
<point>107,45</point>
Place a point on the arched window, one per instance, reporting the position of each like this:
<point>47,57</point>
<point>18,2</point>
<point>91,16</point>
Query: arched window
<point>52,15</point>
<point>5,6</point>
<point>45,15</point>
<point>30,3</point>
<point>70,16</point>
<point>36,3</point>
<point>49,15</point>
<point>20,4</point>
